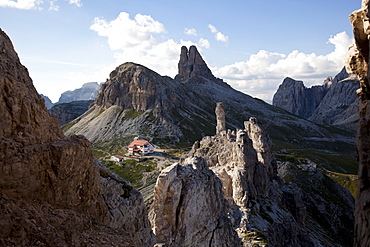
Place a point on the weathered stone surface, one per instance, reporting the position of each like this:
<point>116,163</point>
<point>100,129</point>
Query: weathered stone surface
<point>220,118</point>
<point>189,207</point>
<point>50,188</point>
<point>66,112</point>
<point>294,97</point>
<point>88,91</point>
<point>284,213</point>
<point>192,64</point>
<point>358,63</point>
<point>331,103</point>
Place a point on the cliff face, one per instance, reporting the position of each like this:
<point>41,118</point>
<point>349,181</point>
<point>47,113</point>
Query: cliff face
<point>358,63</point>
<point>294,97</point>
<point>189,207</point>
<point>66,112</point>
<point>50,188</point>
<point>331,103</point>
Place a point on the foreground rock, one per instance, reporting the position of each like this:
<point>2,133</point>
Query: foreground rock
<point>358,63</point>
<point>281,212</point>
<point>189,207</point>
<point>51,193</point>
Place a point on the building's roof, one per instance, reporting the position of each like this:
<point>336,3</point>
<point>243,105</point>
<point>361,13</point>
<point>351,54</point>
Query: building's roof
<point>118,156</point>
<point>137,143</point>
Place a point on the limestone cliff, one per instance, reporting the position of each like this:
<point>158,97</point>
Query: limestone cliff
<point>51,192</point>
<point>358,63</point>
<point>331,103</point>
<point>189,207</point>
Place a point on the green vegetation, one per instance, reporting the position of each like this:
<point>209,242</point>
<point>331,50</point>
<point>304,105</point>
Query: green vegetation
<point>346,180</point>
<point>132,170</point>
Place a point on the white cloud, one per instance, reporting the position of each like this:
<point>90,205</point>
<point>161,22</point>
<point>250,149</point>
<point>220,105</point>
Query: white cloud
<point>53,6</point>
<point>123,32</point>
<point>21,4</point>
<point>191,31</point>
<point>135,41</point>
<point>219,36</point>
<point>204,43</point>
<point>261,74</point>
<point>78,3</point>
<point>213,29</point>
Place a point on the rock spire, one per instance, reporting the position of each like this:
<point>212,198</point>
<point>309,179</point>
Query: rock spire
<point>192,64</point>
<point>220,118</point>
<point>358,63</point>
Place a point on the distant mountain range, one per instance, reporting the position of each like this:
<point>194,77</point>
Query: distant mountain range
<point>137,102</point>
<point>334,102</point>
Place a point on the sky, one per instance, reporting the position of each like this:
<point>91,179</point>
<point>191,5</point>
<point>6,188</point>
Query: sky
<point>253,45</point>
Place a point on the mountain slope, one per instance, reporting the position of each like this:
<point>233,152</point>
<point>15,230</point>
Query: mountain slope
<point>136,101</point>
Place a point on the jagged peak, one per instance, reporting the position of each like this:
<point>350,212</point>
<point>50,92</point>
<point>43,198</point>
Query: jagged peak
<point>192,64</point>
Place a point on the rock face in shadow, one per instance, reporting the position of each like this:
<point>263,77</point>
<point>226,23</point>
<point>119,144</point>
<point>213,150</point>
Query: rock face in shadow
<point>189,207</point>
<point>66,112</point>
<point>358,63</point>
<point>334,102</point>
<point>51,192</point>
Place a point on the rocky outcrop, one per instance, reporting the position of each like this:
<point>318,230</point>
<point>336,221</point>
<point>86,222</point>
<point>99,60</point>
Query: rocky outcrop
<point>50,189</point>
<point>331,103</point>
<point>220,118</point>
<point>48,102</point>
<point>192,64</point>
<point>282,212</point>
<point>88,91</point>
<point>66,112</point>
<point>189,207</point>
<point>358,63</point>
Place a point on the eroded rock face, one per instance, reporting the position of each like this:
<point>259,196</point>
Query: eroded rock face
<point>220,118</point>
<point>358,63</point>
<point>262,203</point>
<point>50,188</point>
<point>189,207</point>
<point>331,103</point>
<point>192,64</point>
<point>66,112</point>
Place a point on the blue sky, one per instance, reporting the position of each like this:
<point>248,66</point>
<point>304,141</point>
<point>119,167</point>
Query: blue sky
<point>252,45</point>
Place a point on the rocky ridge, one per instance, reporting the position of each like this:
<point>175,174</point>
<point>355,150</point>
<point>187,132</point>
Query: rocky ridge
<point>358,63</point>
<point>136,101</point>
<point>334,102</point>
<point>286,212</point>
<point>51,192</point>
<point>66,112</point>
<point>88,91</point>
